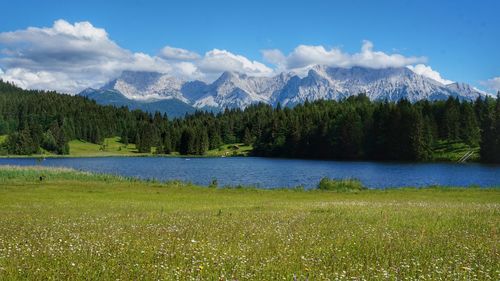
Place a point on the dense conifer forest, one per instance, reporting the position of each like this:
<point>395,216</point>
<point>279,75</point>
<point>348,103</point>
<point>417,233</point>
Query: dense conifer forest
<point>352,129</point>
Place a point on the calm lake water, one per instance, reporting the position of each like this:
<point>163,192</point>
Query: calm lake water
<point>269,172</point>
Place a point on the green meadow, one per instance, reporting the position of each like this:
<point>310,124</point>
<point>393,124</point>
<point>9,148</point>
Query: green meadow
<point>63,224</point>
<point>442,151</point>
<point>113,147</point>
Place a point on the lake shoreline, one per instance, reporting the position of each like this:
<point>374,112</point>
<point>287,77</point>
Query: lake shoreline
<point>152,155</point>
<point>214,180</point>
<point>73,174</point>
<point>114,148</point>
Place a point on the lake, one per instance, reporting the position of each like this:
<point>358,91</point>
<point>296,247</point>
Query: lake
<point>272,172</point>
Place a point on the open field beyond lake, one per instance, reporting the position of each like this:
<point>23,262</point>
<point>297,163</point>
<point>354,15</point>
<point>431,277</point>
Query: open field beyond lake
<point>75,226</point>
<point>113,147</point>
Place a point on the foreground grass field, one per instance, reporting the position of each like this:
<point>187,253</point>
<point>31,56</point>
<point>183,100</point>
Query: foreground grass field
<point>76,226</point>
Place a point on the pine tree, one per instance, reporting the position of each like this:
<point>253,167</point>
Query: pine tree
<point>488,137</point>
<point>21,143</point>
<point>187,143</point>
<point>348,135</point>
<point>469,129</point>
<point>203,142</point>
<point>49,142</point>
<point>167,144</point>
<point>419,141</point>
<point>137,141</point>
<point>496,125</point>
<point>124,137</point>
<point>452,119</point>
<point>247,137</point>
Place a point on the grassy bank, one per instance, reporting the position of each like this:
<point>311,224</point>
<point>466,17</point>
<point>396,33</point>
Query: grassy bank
<point>453,151</point>
<point>113,147</point>
<point>441,151</point>
<point>77,226</point>
<point>227,150</point>
<point>110,147</point>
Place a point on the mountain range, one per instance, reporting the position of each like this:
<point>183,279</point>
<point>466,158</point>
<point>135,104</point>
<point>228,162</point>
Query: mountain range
<point>152,91</point>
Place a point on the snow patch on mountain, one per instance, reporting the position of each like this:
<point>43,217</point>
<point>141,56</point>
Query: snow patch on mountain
<point>142,85</point>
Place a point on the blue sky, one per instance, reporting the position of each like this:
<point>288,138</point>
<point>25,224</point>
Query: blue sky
<point>458,39</point>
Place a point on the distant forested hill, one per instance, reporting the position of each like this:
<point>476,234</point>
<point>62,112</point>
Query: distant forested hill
<point>354,128</point>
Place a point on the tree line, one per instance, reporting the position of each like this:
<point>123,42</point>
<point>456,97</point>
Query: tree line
<point>352,129</point>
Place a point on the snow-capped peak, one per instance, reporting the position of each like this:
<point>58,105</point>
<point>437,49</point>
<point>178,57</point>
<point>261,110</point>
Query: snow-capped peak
<point>143,85</point>
<point>238,90</point>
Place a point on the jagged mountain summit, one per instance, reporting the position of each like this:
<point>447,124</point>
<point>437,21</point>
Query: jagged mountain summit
<point>390,84</point>
<point>236,90</point>
<point>142,85</point>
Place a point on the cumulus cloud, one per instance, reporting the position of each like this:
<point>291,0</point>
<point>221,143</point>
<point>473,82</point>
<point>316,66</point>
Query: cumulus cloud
<point>428,72</point>
<point>188,69</point>
<point>41,80</point>
<point>172,53</point>
<point>58,46</point>
<point>492,84</point>
<point>69,57</point>
<point>275,57</point>
<point>216,61</point>
<point>306,56</point>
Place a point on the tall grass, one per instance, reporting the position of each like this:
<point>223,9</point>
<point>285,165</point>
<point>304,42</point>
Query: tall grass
<point>340,185</point>
<point>80,226</point>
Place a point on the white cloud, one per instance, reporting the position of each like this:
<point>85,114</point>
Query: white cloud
<point>59,45</point>
<point>305,56</point>
<point>492,84</point>
<point>275,57</point>
<point>187,68</point>
<point>172,53</point>
<point>428,72</point>
<point>70,57</point>
<point>40,80</point>
<point>216,61</point>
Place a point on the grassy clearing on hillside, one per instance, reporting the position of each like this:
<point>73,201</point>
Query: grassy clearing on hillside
<point>78,148</point>
<point>110,147</point>
<point>235,149</point>
<point>78,226</point>
<point>113,147</point>
<point>442,151</point>
<point>453,151</point>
